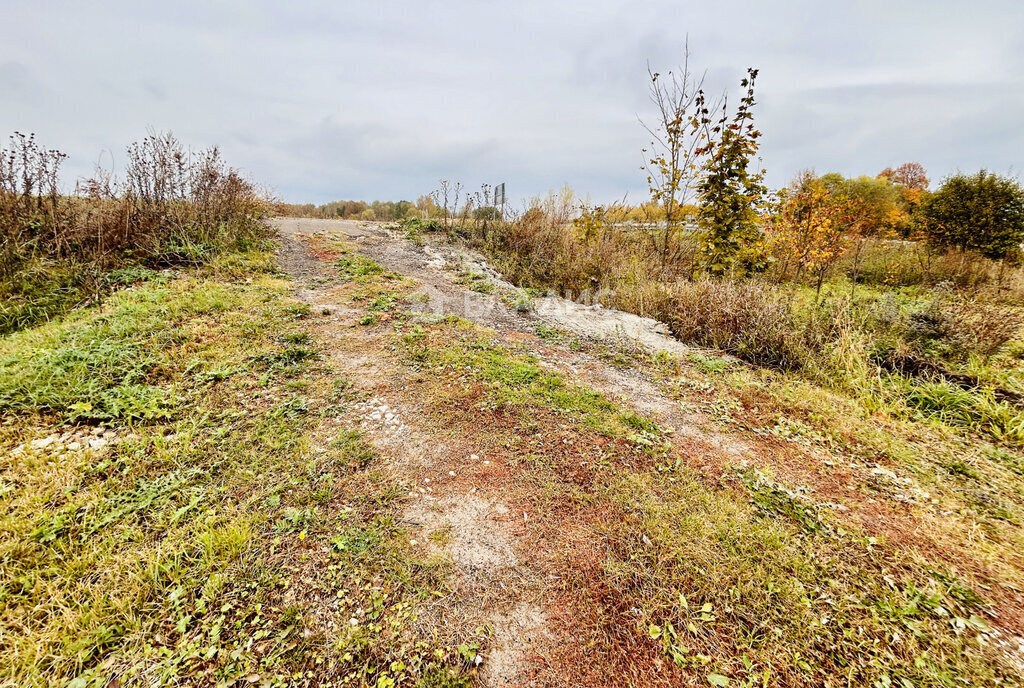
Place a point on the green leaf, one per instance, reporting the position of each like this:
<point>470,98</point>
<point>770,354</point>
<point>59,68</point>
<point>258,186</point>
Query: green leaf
<point>654,631</point>
<point>718,680</point>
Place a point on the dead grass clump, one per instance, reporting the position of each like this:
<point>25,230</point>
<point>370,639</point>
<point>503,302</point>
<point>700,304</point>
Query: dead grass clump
<point>746,319</point>
<point>983,329</point>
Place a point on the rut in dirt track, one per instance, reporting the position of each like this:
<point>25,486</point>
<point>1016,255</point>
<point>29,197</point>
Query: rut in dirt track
<point>460,491</point>
<point>432,267</point>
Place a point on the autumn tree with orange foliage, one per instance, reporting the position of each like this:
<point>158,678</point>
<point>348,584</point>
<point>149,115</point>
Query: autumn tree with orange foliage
<point>812,228</point>
<point>911,180</point>
<point>910,175</point>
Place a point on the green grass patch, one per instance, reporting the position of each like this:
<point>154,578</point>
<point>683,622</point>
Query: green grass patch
<point>353,267</point>
<point>513,380</point>
<point>977,410</point>
<point>198,546</point>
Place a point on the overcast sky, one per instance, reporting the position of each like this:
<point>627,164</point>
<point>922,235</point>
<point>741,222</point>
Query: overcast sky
<point>380,99</point>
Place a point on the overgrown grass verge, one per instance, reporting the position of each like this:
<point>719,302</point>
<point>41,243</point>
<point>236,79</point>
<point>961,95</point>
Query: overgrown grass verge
<point>174,207</point>
<point>889,339</point>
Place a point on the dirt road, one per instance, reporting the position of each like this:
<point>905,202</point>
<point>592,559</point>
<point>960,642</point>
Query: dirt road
<point>517,506</point>
<point>489,531</point>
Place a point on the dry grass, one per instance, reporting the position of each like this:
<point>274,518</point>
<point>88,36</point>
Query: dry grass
<point>174,207</point>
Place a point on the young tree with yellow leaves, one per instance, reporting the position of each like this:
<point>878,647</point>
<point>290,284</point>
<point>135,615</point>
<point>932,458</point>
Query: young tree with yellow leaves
<point>671,159</point>
<point>731,189</point>
<point>812,228</point>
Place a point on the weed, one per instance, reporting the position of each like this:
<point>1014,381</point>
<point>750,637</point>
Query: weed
<point>354,267</point>
<point>356,451</point>
<point>443,677</point>
<point>297,311</point>
<point>483,287</point>
<point>297,338</point>
<point>521,301</point>
<point>383,303</point>
<point>962,468</point>
<point>709,364</point>
<point>550,332</point>
<point>414,227</point>
<point>415,335</point>
<point>288,358</point>
<point>773,499</point>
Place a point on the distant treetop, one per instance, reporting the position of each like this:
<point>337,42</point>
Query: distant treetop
<point>910,174</point>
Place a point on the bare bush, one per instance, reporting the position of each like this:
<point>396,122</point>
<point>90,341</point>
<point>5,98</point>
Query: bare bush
<point>31,208</point>
<point>747,319</point>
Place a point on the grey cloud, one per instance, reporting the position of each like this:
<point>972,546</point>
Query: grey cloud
<point>18,83</point>
<point>860,130</point>
<point>324,100</point>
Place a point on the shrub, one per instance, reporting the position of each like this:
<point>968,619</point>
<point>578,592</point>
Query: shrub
<point>415,225</point>
<point>744,318</point>
<point>942,327</point>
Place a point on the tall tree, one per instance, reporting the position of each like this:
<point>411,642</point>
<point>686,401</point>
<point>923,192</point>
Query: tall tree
<point>878,203</point>
<point>982,212</point>
<point>731,191</point>
<point>912,175</point>
<point>911,180</point>
<point>815,224</point>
